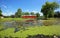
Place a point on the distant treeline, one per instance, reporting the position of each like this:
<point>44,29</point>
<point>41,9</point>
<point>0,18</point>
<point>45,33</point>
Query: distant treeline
<point>57,14</point>
<point>47,10</point>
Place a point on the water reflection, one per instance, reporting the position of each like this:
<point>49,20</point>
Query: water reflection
<point>18,24</point>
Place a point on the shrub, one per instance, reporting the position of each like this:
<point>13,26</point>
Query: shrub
<point>48,22</point>
<point>42,36</point>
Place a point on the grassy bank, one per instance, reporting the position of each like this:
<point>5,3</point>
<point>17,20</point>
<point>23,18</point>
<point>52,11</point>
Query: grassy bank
<point>46,30</point>
<point>12,19</point>
<point>34,30</point>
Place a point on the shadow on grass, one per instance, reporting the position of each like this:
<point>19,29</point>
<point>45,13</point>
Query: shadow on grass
<point>43,36</point>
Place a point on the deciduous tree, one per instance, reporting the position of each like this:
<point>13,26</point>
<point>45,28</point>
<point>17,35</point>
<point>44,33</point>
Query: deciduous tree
<point>0,12</point>
<point>48,9</point>
<point>37,16</point>
<point>26,13</point>
<point>18,13</point>
<point>32,13</point>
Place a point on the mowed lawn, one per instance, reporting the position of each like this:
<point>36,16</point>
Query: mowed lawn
<point>46,30</point>
<point>12,19</point>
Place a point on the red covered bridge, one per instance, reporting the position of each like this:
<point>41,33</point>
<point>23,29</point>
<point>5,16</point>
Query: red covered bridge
<point>29,16</point>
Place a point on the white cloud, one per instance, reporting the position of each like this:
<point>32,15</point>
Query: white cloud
<point>5,14</point>
<point>34,11</point>
<point>37,12</point>
<point>8,13</point>
<point>4,6</point>
<point>57,10</point>
<point>41,14</point>
<point>27,10</point>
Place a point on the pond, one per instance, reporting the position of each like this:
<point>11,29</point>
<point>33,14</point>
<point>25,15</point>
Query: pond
<point>17,25</point>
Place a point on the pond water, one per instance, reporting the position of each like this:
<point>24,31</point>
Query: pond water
<point>18,25</point>
<point>24,24</point>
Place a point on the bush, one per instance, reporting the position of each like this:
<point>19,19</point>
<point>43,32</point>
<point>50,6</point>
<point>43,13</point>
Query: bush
<point>42,36</point>
<point>48,22</point>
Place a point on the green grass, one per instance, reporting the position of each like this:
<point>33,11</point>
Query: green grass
<point>12,19</point>
<point>46,30</point>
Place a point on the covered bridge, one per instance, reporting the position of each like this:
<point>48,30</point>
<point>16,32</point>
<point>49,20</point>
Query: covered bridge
<point>29,16</point>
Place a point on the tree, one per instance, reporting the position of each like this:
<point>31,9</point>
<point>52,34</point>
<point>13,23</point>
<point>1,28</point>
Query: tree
<point>37,16</point>
<point>18,13</point>
<point>57,14</point>
<point>48,9</point>
<point>26,13</point>
<point>0,12</point>
<point>32,13</point>
<point>12,16</point>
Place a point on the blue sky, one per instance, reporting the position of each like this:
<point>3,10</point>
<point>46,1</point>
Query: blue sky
<point>9,7</point>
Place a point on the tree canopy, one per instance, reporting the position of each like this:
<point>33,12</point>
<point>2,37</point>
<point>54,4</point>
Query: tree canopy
<point>48,9</point>
<point>32,13</point>
<point>26,13</point>
<point>18,13</point>
<point>57,14</point>
<point>0,12</point>
<point>38,16</point>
